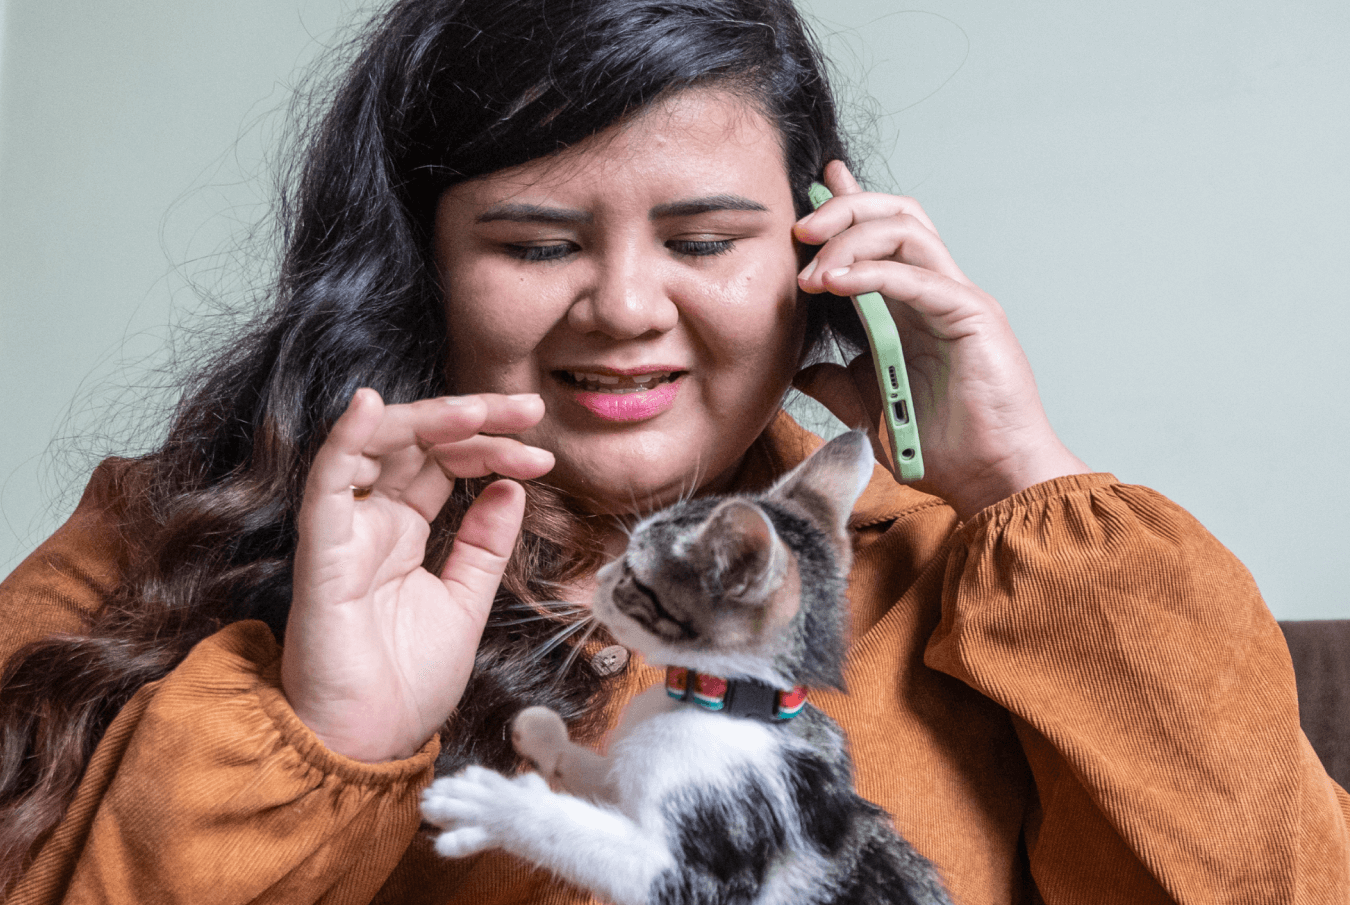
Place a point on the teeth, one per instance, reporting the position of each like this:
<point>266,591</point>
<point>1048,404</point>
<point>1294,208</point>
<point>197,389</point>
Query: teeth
<point>617,385</point>
<point>604,379</point>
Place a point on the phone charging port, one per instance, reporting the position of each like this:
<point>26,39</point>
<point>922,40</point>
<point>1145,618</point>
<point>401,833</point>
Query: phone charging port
<point>901,411</point>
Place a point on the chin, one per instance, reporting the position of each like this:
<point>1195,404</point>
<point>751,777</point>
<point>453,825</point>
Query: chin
<point>638,487</point>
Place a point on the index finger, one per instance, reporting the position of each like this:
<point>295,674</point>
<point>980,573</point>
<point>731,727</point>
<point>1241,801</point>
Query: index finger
<point>869,206</point>
<point>450,419</point>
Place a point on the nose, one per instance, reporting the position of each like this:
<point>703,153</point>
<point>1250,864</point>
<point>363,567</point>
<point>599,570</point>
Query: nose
<point>626,297</point>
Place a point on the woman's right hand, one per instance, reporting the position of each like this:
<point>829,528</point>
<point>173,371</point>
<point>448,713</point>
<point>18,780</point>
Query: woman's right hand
<point>378,650</point>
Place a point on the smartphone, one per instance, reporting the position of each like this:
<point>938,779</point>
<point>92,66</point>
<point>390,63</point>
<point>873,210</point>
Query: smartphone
<point>892,378</point>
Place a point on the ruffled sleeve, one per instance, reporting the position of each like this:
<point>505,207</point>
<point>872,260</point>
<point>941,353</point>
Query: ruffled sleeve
<point>1154,696</point>
<point>208,788</point>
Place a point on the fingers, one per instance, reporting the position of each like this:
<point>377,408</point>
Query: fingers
<point>839,180</point>
<point>462,435</point>
<point>841,183</point>
<point>450,419</point>
<point>484,543</point>
<point>481,456</point>
<point>857,225</point>
<point>901,238</point>
<point>948,310</point>
<point>339,466</point>
<point>388,447</point>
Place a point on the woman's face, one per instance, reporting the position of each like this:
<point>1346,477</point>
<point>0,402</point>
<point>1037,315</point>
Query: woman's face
<point>644,284</point>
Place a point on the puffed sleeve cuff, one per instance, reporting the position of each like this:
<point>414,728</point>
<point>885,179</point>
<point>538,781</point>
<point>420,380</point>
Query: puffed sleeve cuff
<point>208,787</point>
<point>1152,691</point>
<point>295,734</point>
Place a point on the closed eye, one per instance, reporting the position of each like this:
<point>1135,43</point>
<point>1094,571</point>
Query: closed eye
<point>551,252</point>
<point>700,248</point>
<point>655,617</point>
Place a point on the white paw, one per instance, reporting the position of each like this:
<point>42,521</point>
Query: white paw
<point>477,808</point>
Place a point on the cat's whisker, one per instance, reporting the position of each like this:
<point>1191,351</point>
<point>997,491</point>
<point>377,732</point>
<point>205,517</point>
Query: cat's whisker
<point>635,510</point>
<point>542,617</point>
<point>577,648</point>
<point>695,478</point>
<point>559,637</point>
<point>537,611</point>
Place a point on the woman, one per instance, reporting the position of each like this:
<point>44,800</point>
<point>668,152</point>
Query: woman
<point>560,244</point>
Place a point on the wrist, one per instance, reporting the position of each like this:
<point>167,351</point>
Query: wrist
<point>1011,476</point>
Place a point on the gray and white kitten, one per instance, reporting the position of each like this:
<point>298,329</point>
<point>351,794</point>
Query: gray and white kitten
<point>695,806</point>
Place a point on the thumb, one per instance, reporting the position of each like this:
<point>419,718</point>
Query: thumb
<point>483,545</point>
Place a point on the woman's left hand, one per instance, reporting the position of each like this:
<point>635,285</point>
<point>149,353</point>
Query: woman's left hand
<point>984,432</point>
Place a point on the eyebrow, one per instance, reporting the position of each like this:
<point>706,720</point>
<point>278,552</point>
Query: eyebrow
<point>532,213</point>
<point>516,212</point>
<point>706,205</point>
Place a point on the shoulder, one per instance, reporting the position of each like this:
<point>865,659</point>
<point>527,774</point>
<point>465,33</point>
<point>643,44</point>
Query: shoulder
<point>62,584</point>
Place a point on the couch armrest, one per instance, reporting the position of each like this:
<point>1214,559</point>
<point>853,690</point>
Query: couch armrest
<point>1321,653</point>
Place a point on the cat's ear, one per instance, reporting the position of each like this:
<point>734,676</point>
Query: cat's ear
<point>740,552</point>
<point>829,482</point>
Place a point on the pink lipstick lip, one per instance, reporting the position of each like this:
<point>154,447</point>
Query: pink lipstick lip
<point>627,407</point>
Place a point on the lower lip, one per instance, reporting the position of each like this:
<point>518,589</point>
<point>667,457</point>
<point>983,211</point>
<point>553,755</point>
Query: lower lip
<point>629,406</point>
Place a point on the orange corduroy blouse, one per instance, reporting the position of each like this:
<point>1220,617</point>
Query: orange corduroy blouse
<point>1076,696</point>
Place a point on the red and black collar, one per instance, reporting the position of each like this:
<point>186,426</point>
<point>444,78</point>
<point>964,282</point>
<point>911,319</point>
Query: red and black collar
<point>735,697</point>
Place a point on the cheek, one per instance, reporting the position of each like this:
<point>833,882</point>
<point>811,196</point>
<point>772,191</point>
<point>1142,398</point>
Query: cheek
<point>496,325</point>
<point>762,316</point>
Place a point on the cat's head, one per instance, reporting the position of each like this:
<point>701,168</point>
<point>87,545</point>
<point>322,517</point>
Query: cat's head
<point>748,586</point>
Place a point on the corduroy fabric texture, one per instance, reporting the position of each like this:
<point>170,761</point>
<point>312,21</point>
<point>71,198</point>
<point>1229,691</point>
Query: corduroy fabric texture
<point>1076,697</point>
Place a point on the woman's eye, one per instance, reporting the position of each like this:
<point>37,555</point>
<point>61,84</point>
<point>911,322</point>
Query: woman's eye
<point>700,248</point>
<point>541,252</point>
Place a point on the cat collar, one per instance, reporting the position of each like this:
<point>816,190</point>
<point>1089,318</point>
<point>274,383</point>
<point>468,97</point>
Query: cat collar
<point>736,697</point>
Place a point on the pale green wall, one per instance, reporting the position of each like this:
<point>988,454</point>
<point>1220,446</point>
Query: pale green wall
<point>1156,192</point>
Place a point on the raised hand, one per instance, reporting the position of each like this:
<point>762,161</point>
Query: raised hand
<point>984,432</point>
<point>378,650</point>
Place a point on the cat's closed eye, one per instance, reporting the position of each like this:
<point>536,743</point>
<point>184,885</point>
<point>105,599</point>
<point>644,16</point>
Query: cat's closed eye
<point>641,604</point>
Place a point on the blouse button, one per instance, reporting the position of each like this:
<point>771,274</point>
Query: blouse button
<point>610,660</point>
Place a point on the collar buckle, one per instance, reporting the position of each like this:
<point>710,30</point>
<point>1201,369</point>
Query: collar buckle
<point>735,697</point>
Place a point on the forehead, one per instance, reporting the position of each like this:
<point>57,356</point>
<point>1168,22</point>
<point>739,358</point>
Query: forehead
<point>705,138</point>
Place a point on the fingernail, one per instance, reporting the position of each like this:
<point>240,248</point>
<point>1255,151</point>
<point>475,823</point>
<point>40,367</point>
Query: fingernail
<point>807,219</point>
<point>806,274</point>
<point>523,397</point>
<point>837,272</point>
<point>457,402</point>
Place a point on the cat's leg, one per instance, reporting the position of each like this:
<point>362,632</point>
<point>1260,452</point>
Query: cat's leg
<point>540,736</point>
<point>593,846</point>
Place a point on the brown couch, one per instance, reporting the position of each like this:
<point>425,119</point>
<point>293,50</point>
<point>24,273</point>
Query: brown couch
<point>1321,652</point>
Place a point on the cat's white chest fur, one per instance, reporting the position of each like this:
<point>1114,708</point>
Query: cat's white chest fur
<point>663,745</point>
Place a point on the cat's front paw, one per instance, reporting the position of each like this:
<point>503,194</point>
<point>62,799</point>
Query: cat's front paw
<point>540,736</point>
<point>476,808</point>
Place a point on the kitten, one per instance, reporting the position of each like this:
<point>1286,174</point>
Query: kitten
<point>723,786</point>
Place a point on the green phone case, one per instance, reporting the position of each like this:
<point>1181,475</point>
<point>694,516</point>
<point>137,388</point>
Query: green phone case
<point>892,378</point>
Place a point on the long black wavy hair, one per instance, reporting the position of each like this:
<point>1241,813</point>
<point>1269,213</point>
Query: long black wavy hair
<point>441,91</point>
